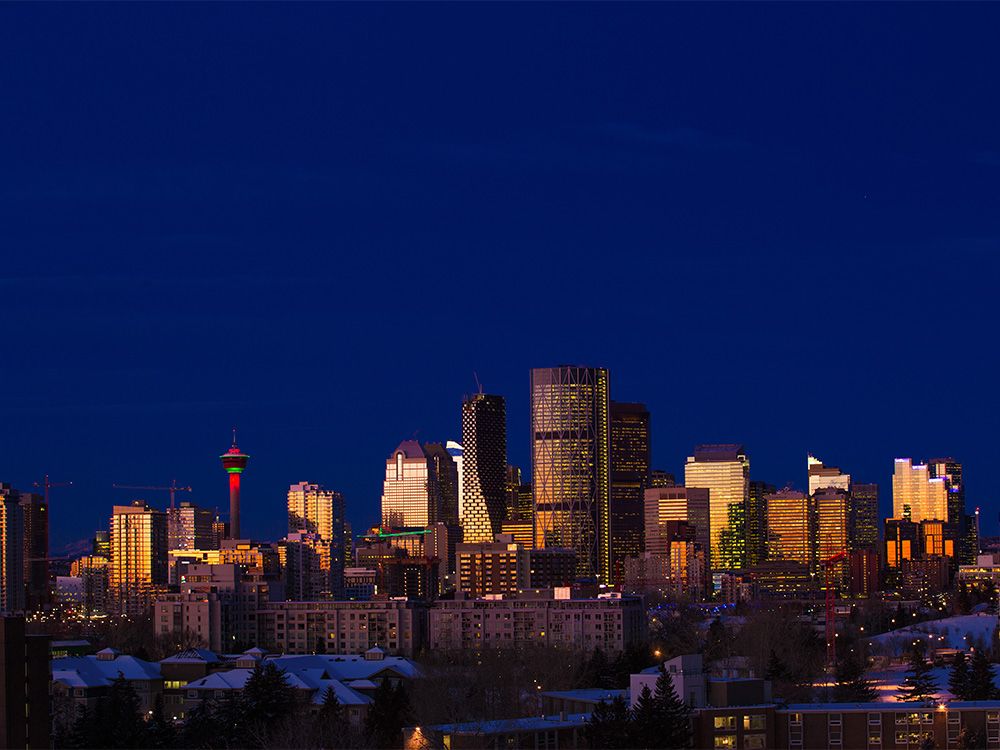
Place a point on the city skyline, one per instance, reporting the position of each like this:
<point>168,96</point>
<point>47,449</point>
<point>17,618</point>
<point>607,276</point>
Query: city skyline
<point>364,515</point>
<point>179,222</point>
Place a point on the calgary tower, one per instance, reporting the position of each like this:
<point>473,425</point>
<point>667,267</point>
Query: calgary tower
<point>234,461</point>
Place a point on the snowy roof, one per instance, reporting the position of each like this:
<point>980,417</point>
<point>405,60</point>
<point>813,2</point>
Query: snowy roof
<point>527,724</point>
<point>341,667</point>
<point>587,695</point>
<point>314,680</point>
<point>92,671</point>
<point>192,656</point>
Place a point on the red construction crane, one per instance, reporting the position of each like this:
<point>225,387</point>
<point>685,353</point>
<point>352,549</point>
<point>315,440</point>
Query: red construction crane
<point>46,484</point>
<point>831,634</point>
<point>172,489</point>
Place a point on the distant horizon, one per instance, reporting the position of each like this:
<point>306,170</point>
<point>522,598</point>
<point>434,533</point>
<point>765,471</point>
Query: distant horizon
<point>775,224</point>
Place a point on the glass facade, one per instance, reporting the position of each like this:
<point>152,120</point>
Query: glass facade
<point>570,463</point>
<point>320,512</point>
<point>917,494</point>
<point>789,527</point>
<point>410,494</point>
<point>724,470</point>
<point>138,567</point>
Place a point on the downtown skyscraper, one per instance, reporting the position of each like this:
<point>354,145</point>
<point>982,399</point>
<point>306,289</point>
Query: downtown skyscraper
<point>724,470</point>
<point>570,462</point>
<point>630,459</point>
<point>314,510</point>
<point>410,492</point>
<point>484,467</point>
<point>917,494</point>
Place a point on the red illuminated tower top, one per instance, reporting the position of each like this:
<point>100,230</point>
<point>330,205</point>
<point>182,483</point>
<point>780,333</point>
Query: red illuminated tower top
<point>234,461</point>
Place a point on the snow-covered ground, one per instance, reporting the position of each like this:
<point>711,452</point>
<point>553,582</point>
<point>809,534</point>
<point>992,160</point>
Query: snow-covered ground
<point>961,632</point>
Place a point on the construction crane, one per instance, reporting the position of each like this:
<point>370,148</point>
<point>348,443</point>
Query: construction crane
<point>172,489</point>
<point>47,484</point>
<point>831,635</point>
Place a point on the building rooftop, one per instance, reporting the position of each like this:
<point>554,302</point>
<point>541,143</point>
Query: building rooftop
<point>526,724</point>
<point>410,449</point>
<point>587,695</point>
<point>718,452</point>
<point>99,670</point>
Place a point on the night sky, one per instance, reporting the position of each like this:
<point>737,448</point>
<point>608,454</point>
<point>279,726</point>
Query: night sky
<point>775,224</point>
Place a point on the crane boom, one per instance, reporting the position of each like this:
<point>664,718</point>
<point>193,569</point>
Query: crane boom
<point>172,489</point>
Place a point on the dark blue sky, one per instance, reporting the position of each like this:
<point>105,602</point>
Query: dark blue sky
<point>776,224</point>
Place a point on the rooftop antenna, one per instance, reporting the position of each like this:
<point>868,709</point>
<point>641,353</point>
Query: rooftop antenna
<point>234,436</point>
<point>478,384</point>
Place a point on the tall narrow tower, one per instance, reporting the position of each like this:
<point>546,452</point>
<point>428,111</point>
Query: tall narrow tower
<point>234,462</point>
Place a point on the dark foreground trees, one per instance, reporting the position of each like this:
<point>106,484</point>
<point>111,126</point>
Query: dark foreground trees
<point>659,719</point>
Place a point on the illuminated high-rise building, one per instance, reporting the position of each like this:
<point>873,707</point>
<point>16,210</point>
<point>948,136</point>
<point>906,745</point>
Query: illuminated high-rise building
<point>36,550</point>
<point>863,521</point>
<point>570,463</point>
<point>484,467</point>
<point>950,471</point>
<point>410,493</point>
<point>831,510</point>
<point>755,524</point>
<point>305,561</point>
<point>630,458</point>
<point>520,504</point>
<point>315,510</point>
<point>823,477</point>
<point>138,569</point>
<point>190,527</point>
<point>11,551</point>
<point>789,527</point>
<point>446,473</point>
<point>917,494</point>
<point>102,544</point>
<point>234,461</point>
<point>666,505</point>
<point>724,470</point>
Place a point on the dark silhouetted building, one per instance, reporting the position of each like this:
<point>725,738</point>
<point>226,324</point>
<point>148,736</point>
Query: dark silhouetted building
<point>24,687</point>
<point>36,550</point>
<point>756,521</point>
<point>630,457</point>
<point>661,478</point>
<point>551,567</point>
<point>863,532</point>
<point>446,473</point>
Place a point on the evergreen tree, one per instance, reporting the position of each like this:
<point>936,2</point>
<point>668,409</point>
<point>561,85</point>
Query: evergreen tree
<point>160,729</point>
<point>267,702</point>
<point>594,671</point>
<point>958,680</point>
<point>717,643</point>
<point>919,684</point>
<point>851,685</point>
<point>201,727</point>
<point>608,726</point>
<point>980,683</point>
<point>776,669</point>
<point>644,727</point>
<point>330,725</point>
<point>123,727</point>
<point>387,715</point>
<point>675,714</point>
